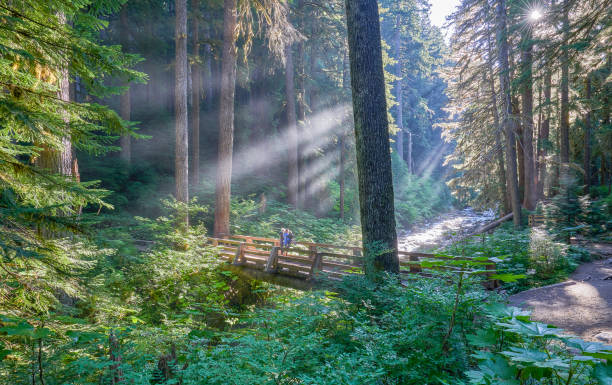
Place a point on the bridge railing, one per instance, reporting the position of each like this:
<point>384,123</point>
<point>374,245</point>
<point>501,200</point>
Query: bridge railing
<point>308,259</point>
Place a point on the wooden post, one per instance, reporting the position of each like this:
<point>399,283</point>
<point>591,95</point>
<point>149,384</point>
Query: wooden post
<point>312,252</point>
<point>316,264</point>
<point>415,268</point>
<point>239,256</point>
<point>491,283</point>
<point>271,264</point>
<point>356,253</point>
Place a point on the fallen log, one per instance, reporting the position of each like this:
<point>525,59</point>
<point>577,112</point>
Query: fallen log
<point>493,224</point>
<point>486,227</point>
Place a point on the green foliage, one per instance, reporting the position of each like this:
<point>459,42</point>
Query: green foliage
<point>517,351</point>
<point>534,254</point>
<point>247,218</point>
<point>40,44</point>
<point>416,198</point>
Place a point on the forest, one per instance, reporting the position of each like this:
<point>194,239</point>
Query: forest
<point>305,192</point>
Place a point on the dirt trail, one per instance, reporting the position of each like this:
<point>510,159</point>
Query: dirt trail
<point>582,305</point>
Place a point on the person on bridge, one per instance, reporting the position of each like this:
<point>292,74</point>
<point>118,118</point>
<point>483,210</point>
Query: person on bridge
<point>286,237</point>
<point>283,236</point>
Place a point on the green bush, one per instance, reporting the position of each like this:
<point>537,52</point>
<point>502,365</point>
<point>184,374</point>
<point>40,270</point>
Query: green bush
<point>514,350</point>
<point>534,254</point>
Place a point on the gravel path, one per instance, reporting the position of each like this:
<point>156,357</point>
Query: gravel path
<point>582,305</point>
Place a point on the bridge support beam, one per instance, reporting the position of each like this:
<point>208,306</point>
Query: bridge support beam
<point>271,264</point>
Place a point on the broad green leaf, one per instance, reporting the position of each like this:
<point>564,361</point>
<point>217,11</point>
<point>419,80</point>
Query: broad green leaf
<point>603,373</point>
<point>482,338</point>
<point>531,329</point>
<point>506,277</point>
<point>587,346</point>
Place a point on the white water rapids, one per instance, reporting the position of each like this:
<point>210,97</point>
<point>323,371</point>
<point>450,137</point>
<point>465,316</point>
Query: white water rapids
<point>443,230</point>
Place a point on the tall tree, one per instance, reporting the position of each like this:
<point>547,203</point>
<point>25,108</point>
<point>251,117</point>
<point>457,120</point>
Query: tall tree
<point>196,86</point>
<point>530,195</point>
<point>398,89</point>
<point>59,160</point>
<point>544,133</point>
<point>226,120</point>
<point>587,134</point>
<point>371,136</point>
<point>125,109</point>
<point>292,135</point>
<point>508,120</point>
<point>499,151</point>
<point>181,148</point>
<point>564,127</point>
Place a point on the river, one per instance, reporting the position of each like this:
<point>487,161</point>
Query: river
<point>443,230</point>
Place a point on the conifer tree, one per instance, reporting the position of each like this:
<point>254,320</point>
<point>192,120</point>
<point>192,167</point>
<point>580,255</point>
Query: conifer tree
<point>371,136</point>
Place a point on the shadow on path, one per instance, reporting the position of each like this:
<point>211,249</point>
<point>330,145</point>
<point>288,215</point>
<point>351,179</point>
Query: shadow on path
<point>582,305</point>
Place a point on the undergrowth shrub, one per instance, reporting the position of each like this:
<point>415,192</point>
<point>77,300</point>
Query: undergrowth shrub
<point>515,351</point>
<point>547,257</point>
<point>536,254</point>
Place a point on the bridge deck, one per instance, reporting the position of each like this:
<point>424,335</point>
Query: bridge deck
<point>308,261</point>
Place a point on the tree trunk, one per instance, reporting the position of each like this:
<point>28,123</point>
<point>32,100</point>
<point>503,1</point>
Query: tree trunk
<point>398,90</point>
<point>342,142</point>
<point>341,173</point>
<point>125,109</point>
<point>501,170</point>
<point>530,195</point>
<point>587,136</point>
<point>292,136</point>
<point>564,128</point>
<point>544,134</point>
<point>409,154</point>
<point>301,110</point>
<point>226,120</point>
<point>372,137</point>
<point>196,86</point>
<point>51,159</point>
<point>520,155</point>
<point>181,148</point>
<point>508,120</point>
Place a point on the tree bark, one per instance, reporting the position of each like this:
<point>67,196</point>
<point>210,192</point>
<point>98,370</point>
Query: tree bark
<point>530,195</point>
<point>181,148</point>
<point>372,137</point>
<point>564,127</point>
<point>292,136</point>
<point>301,110</point>
<point>508,121</point>
<point>587,136</point>
<point>125,110</point>
<point>398,90</point>
<point>226,120</point>
<point>409,154</point>
<point>501,169</point>
<point>342,142</point>
<point>54,160</point>
<point>544,134</point>
<point>520,155</point>
<point>196,86</point>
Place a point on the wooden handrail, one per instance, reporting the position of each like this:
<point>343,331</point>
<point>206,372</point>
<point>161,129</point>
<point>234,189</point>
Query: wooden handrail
<point>247,250</point>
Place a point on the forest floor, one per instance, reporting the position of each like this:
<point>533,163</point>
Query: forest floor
<point>582,305</point>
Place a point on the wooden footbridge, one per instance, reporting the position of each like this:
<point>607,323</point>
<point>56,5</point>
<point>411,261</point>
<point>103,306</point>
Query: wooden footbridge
<point>305,262</point>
